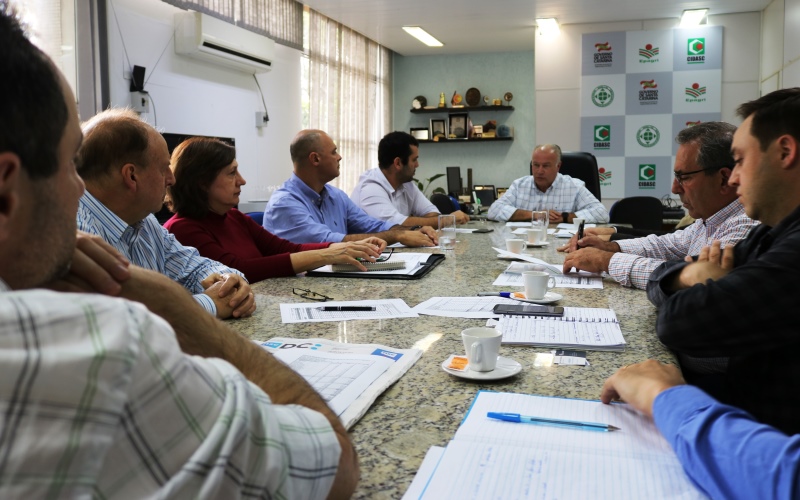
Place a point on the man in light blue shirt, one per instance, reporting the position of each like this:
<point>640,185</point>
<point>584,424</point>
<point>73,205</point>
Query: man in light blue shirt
<point>388,193</point>
<point>723,449</point>
<point>125,165</point>
<point>564,197</point>
<point>307,210</point>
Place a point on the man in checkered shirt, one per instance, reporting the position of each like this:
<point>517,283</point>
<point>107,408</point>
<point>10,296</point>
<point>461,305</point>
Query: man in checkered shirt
<point>564,197</point>
<point>104,397</point>
<point>703,165</point>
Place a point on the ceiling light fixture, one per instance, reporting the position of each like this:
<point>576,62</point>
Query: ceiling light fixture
<point>694,17</point>
<point>423,36</point>
<point>547,26</point>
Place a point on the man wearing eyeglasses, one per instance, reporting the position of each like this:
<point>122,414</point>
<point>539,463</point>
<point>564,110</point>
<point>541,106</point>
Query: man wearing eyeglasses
<point>703,166</point>
<point>564,197</point>
<point>739,302</point>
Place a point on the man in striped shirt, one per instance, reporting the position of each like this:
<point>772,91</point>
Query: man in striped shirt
<point>703,165</point>
<point>125,165</point>
<point>101,397</point>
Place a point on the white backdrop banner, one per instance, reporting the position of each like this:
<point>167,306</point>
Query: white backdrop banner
<point>638,90</point>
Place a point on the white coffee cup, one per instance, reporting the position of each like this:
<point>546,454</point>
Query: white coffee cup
<point>482,346</point>
<point>536,235</point>
<point>537,283</point>
<point>515,245</point>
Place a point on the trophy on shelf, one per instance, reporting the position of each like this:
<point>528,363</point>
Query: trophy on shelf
<point>508,96</point>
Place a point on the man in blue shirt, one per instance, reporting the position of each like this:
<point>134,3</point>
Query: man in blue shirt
<point>723,449</point>
<point>307,210</point>
<point>125,165</point>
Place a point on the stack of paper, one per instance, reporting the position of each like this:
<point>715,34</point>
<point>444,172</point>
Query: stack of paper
<point>580,327</point>
<point>350,377</point>
<point>490,458</point>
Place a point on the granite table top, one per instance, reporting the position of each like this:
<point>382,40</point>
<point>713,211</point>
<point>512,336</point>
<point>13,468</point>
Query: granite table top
<point>425,407</point>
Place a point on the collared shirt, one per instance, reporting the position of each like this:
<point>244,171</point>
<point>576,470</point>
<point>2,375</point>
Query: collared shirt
<point>723,450</point>
<point>376,196</point>
<point>295,212</point>
<point>638,257</point>
<point>746,316</point>
<point>566,194</point>
<point>149,245</point>
<point>98,400</point>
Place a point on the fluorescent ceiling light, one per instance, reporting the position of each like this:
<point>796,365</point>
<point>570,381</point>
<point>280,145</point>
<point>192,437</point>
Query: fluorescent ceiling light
<point>695,17</point>
<point>547,26</point>
<point>423,36</point>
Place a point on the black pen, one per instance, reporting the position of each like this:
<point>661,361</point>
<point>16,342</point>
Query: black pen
<point>347,308</point>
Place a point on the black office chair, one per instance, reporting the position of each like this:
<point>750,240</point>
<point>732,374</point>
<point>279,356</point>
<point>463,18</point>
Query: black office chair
<point>444,203</point>
<point>641,212</point>
<point>582,166</point>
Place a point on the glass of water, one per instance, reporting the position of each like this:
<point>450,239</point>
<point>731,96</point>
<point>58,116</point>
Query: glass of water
<point>539,222</point>
<point>447,231</point>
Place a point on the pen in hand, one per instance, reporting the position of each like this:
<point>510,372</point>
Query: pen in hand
<point>580,231</point>
<point>347,308</point>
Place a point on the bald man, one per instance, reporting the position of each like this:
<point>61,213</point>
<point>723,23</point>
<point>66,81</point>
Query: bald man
<point>305,209</point>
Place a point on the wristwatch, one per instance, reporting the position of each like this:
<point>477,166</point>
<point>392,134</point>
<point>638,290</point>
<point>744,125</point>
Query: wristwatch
<point>565,217</point>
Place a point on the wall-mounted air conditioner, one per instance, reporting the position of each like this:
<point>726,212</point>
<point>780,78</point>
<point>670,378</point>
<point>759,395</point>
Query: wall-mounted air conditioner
<point>204,37</point>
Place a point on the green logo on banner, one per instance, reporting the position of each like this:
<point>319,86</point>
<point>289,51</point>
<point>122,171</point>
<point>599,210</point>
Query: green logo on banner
<point>602,137</point>
<point>696,51</point>
<point>647,176</point>
<point>648,136</point>
<point>602,96</point>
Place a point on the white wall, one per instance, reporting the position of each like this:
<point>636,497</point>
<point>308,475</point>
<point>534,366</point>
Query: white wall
<point>780,47</point>
<point>191,97</point>
<point>558,72</point>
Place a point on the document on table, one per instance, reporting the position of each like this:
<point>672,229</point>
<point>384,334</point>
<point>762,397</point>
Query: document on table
<point>512,276</point>
<point>314,313</point>
<point>524,230</point>
<point>580,327</point>
<point>491,458</point>
<point>350,377</point>
<point>552,268</point>
<point>412,259</point>
<point>462,307</point>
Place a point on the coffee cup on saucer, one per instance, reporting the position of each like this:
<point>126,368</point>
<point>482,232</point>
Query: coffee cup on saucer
<point>482,345</point>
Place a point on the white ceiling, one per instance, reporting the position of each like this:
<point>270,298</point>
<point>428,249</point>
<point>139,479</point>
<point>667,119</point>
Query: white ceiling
<point>469,26</point>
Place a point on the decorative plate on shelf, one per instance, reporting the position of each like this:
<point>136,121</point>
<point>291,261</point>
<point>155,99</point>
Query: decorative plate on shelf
<point>419,102</point>
<point>508,96</point>
<point>473,96</point>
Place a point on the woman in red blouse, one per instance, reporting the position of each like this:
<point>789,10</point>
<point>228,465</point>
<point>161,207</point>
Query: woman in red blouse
<point>204,199</point>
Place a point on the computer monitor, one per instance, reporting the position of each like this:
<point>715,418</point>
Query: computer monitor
<point>454,181</point>
<point>486,194</point>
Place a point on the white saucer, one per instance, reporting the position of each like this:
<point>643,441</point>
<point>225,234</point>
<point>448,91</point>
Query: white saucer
<point>506,367</point>
<point>548,298</point>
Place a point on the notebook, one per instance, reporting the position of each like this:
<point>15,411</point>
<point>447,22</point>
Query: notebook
<point>371,266</point>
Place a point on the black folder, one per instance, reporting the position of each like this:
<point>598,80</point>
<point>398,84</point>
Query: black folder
<point>424,269</point>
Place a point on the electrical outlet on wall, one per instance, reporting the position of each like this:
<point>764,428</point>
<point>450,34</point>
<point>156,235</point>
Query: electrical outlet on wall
<point>261,118</point>
<point>140,102</point>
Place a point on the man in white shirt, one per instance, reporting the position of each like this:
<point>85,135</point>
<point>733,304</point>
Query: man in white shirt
<point>564,197</point>
<point>105,397</point>
<point>388,193</point>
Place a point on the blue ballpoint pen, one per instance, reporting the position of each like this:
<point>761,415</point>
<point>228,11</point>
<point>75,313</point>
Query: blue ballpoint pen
<point>572,424</point>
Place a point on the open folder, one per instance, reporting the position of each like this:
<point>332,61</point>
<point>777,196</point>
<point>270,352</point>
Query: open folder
<point>417,265</point>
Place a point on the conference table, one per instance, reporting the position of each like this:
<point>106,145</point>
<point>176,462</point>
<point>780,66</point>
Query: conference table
<point>425,407</point>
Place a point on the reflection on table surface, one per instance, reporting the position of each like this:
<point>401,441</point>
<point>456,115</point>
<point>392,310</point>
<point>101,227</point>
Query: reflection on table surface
<point>425,407</point>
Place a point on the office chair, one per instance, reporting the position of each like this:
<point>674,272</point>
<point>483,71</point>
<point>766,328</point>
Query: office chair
<point>641,212</point>
<point>256,216</point>
<point>582,166</point>
<point>444,203</point>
